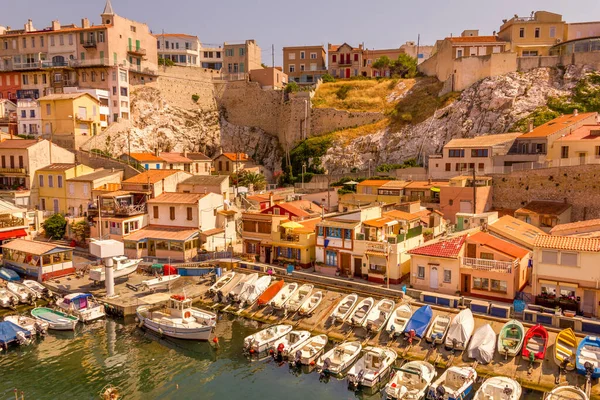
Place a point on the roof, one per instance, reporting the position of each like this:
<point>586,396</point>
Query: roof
<point>109,187</point>
<point>174,158</point>
<point>551,127</point>
<point>92,176</point>
<point>448,248</point>
<point>512,228</point>
<point>487,240</point>
<point>211,232</point>
<point>402,215</point>
<point>338,223</point>
<point>264,197</point>
<point>308,225</point>
<point>394,185</point>
<point>484,140</point>
<point>232,156</point>
<point>475,39</point>
<point>208,180</point>
<point>304,205</point>
<point>379,222</point>
<point>575,226</point>
<point>177,198</point>
<point>66,96</point>
<point>292,209</point>
<point>185,35</point>
<point>426,184</point>
<point>6,207</point>
<point>141,157</point>
<point>197,156</point>
<point>574,243</point>
<point>33,247</point>
<point>374,182</point>
<point>108,10</point>
<point>544,208</point>
<point>316,46</point>
<point>177,233</point>
<point>58,167</point>
<point>152,176</point>
<point>17,143</point>
<point>582,133</point>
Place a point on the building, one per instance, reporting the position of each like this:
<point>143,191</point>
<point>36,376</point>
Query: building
<point>147,160</point>
<point>344,61</point>
<point>41,261</point>
<point>211,57</point>
<point>7,107</point>
<point>589,228</point>
<point>10,82</point>
<point>418,51</point>
<point>269,78</point>
<point>240,58</point>
<point>515,231</point>
<point>14,222</point>
<point>232,163</point>
<point>103,97</point>
<point>462,192</point>
<point>263,201</point>
<point>305,64</point>
<point>579,146</point>
<point>298,210</point>
<point>81,187</point>
<point>53,191</point>
<point>581,30</point>
<point>29,117</point>
<point>155,182</point>
<point>533,35</point>
<point>218,184</point>
<point>201,163</point>
<point>294,245</point>
<point>545,214</point>
<point>183,50</point>
<point>117,213</point>
<point>257,234</point>
<point>179,161</point>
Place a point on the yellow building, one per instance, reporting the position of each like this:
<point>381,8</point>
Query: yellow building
<point>295,245</point>
<point>70,119</point>
<point>533,35</point>
<point>52,184</point>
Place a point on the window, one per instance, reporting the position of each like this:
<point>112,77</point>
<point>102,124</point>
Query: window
<point>331,258</point>
<point>301,67</point>
<point>93,76</point>
<point>448,167</point>
<point>44,79</point>
<point>459,53</point>
<point>537,32</point>
<point>84,76</point>
<point>23,113</point>
<point>481,283</point>
<point>564,151</point>
<point>552,31</point>
<point>59,181</point>
<point>549,257</point>
<point>348,234</point>
<point>479,153</point>
<point>447,276</point>
<point>41,41</point>
<point>35,79</point>
<point>124,91</point>
<point>334,232</point>
<point>33,42</point>
<point>61,40</point>
<point>568,259</point>
<point>313,56</point>
<point>421,272</point>
<point>172,213</point>
<point>522,32</point>
<point>100,37</point>
<point>70,39</point>
<point>597,152</point>
<point>114,90</point>
<point>456,153</point>
<point>123,76</point>
<point>481,167</point>
<point>498,286</point>
<point>333,58</point>
<point>20,161</point>
<point>50,181</point>
<point>292,68</point>
<point>25,79</point>
<point>189,213</point>
<point>486,256</point>
<point>177,45</point>
<point>242,51</point>
<point>41,176</point>
<point>132,28</point>
<point>548,289</point>
<point>102,76</point>
<point>48,110</point>
<point>529,53</point>
<point>302,55</point>
<point>155,212</point>
<point>355,57</point>
<point>24,43</point>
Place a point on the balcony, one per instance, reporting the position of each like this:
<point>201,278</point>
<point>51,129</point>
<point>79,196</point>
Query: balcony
<point>283,237</point>
<point>490,265</point>
<point>54,64</point>
<point>90,63</point>
<point>90,44</point>
<point>136,51</point>
<point>85,119</point>
<point>16,171</point>
<point>11,222</point>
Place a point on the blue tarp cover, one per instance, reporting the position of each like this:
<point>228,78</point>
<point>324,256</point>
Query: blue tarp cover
<point>9,275</point>
<point>420,321</point>
<point>8,332</point>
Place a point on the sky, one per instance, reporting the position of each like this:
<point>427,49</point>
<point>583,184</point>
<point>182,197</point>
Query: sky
<point>379,24</point>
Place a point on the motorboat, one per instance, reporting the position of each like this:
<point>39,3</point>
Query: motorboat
<point>248,280</point>
<point>9,275</point>
<point>588,356</point>
<point>483,344</point>
<point>565,349</point>
<point>511,337</point>
<point>24,294</point>
<point>83,305</point>
<point>288,344</point>
<point>344,308</point>
<point>360,312</point>
<point>311,304</point>
<point>379,315</point>
<point>566,392</point>
<point>311,349</point>
<point>284,295</point>
<point>340,358</point>
<point>271,292</point>
<point>454,384</point>
<point>372,367</point>
<point>418,322</point>
<point>398,320</point>
<point>122,266</point>
<point>263,340</point>
<point>299,297</point>
<point>57,320</point>
<point>34,326</point>
<point>460,330</point>
<point>13,334</point>
<point>40,290</point>
<point>436,333</point>
<point>535,344</point>
<point>222,281</point>
<point>159,282</point>
<point>224,290</point>
<point>251,292</point>
<point>499,388</point>
<point>411,381</point>
<point>178,319</point>
<point>7,298</point>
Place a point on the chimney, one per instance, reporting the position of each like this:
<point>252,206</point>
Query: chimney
<point>29,26</point>
<point>55,25</point>
<point>156,151</point>
<point>429,181</point>
<point>85,23</point>
<point>494,33</point>
<point>271,199</point>
<point>185,153</point>
<point>530,126</point>
<point>575,112</point>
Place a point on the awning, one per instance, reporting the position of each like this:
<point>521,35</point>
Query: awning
<point>435,189</point>
<point>15,233</point>
<point>375,253</point>
<point>542,281</point>
<point>567,284</point>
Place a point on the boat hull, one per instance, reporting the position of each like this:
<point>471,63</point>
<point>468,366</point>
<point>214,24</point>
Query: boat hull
<point>200,334</point>
<point>98,274</point>
<point>57,321</point>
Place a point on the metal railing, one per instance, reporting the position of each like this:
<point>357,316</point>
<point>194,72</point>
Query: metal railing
<point>136,50</point>
<point>489,265</point>
<point>289,238</point>
<point>11,222</point>
<point>13,170</point>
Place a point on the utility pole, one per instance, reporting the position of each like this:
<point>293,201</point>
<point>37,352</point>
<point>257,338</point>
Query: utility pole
<point>273,55</point>
<point>418,43</point>
<point>474,193</point>
<point>303,172</point>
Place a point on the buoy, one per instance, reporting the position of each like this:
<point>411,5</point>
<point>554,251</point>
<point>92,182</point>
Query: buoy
<point>312,362</point>
<point>216,340</point>
<point>251,351</point>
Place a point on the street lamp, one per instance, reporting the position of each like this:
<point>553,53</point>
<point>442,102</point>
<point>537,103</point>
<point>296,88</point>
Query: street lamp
<point>303,172</point>
<point>370,167</point>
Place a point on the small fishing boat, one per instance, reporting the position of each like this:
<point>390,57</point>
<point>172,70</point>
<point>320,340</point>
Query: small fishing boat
<point>565,349</point>
<point>57,320</point>
<point>499,388</point>
<point>83,305</point>
<point>284,295</point>
<point>411,381</point>
<point>9,275</point>
<point>122,266</point>
<point>40,290</point>
<point>588,356</point>
<point>34,326</point>
<point>343,308</point>
<point>438,329</point>
<point>288,344</point>
<point>24,294</point>
<point>359,314</point>
<point>299,297</point>
<point>340,358</point>
<point>222,281</point>
<point>159,282</point>
<point>178,319</point>
<point>261,341</point>
<point>460,330</point>
<point>372,367</point>
<point>483,344</point>
<point>271,292</point>
<point>418,322</point>
<point>7,298</point>
<point>252,291</point>
<point>511,337</point>
<point>225,289</point>
<point>13,334</point>
<point>311,304</point>
<point>379,315</point>
<point>456,383</point>
<point>535,344</point>
<point>307,354</point>
<point>398,320</point>
<point>566,393</point>
<point>248,280</point>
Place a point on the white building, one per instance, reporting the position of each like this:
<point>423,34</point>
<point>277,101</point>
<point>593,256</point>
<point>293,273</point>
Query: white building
<point>102,96</point>
<point>29,117</point>
<point>182,49</point>
<point>211,57</point>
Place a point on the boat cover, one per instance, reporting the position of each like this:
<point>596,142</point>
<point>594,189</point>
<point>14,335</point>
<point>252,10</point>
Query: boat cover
<point>461,328</point>
<point>169,270</point>
<point>9,275</point>
<point>419,321</point>
<point>8,332</point>
<point>483,344</point>
<point>252,291</point>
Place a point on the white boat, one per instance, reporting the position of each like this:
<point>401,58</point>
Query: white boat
<point>566,393</point>
<point>438,329</point>
<point>460,330</point>
<point>483,344</point>
<point>398,320</point>
<point>224,290</point>
<point>40,290</point>
<point>159,282</point>
<point>455,383</point>
<point>411,381</point>
<point>359,314</point>
<point>34,326</point>
<point>178,319</point>
<point>248,280</point>
<point>122,266</point>
<point>24,294</point>
<point>261,341</point>
<point>311,304</point>
<point>253,291</point>
<point>499,388</point>
<point>57,320</point>
<point>372,367</point>
<point>284,295</point>
<point>7,298</point>
<point>299,297</point>
<point>83,305</point>
<point>288,344</point>
<point>379,315</point>
<point>340,358</point>
<point>307,354</point>
<point>222,281</point>
<point>344,308</point>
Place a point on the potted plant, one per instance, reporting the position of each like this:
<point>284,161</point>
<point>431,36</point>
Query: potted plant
<point>569,313</point>
<point>557,311</point>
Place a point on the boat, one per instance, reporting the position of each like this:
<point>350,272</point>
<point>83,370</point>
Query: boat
<point>9,275</point>
<point>535,343</point>
<point>40,290</point>
<point>499,388</point>
<point>456,383</point>
<point>411,381</point>
<point>178,319</point>
<point>261,341</point>
<point>511,337</point>
<point>460,330</point>
<point>311,304</point>
<point>298,299</point>
<point>83,305</point>
<point>248,280</point>
<point>13,334</point>
<point>398,320</point>
<point>284,295</point>
<point>340,358</point>
<point>222,281</point>
<point>307,354</point>
<point>24,294</point>
<point>438,329</point>
<point>372,367</point>
<point>251,292</point>
<point>34,326</point>
<point>57,320</point>
<point>360,312</point>
<point>271,292</point>
<point>418,322</point>
<point>379,315</point>
<point>483,344</point>
<point>7,298</point>
<point>159,282</point>
<point>566,392</point>
<point>288,344</point>
<point>225,289</point>
<point>588,356</point>
<point>343,308</point>
<point>122,266</point>
<point>565,349</point>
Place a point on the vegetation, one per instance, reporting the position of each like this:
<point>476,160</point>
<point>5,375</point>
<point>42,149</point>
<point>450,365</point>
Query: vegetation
<point>411,162</point>
<point>55,227</point>
<point>539,116</point>
<point>247,178</point>
<point>342,92</point>
<point>195,98</point>
<point>264,65</point>
<point>81,230</point>
<point>166,61</point>
<point>292,87</point>
<point>404,66</point>
<point>327,78</point>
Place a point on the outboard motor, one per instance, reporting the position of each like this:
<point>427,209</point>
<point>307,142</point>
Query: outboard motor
<point>356,381</point>
<point>39,329</point>
<point>298,358</point>
<point>440,392</point>
<point>21,338</point>
<point>589,369</point>
<point>326,364</point>
<point>280,349</point>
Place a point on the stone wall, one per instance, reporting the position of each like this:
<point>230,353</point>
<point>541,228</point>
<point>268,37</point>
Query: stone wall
<point>97,161</point>
<point>584,58</point>
<point>468,70</point>
<point>324,120</point>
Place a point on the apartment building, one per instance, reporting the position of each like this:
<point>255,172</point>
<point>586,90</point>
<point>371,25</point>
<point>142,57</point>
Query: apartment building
<point>52,186</point>
<point>580,146</point>
<point>80,188</point>
<point>10,82</point>
<point>461,192</point>
<point>218,184</point>
<point>533,35</point>
<point>240,58</point>
<point>29,117</point>
<point>269,78</point>
<point>231,163</point>
<point>304,64</point>
<point>211,57</point>
<point>183,50</point>
<point>344,61</point>
<point>103,97</point>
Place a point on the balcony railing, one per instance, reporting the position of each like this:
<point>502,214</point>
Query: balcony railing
<point>138,51</point>
<point>90,44</point>
<point>490,265</point>
<point>289,238</point>
<point>13,171</point>
<point>11,222</point>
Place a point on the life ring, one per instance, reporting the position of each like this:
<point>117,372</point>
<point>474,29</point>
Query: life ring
<point>187,314</point>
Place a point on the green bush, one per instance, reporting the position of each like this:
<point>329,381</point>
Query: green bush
<point>292,87</point>
<point>55,227</point>
<point>411,162</point>
<point>166,61</point>
<point>195,98</point>
<point>327,78</point>
<point>81,230</point>
<point>342,92</point>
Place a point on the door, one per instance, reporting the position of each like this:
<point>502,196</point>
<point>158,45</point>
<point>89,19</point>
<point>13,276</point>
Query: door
<point>55,206</point>
<point>589,300</point>
<point>358,267</point>
<point>151,248</point>
<point>346,260</point>
<point>267,255</point>
<point>466,283</point>
<point>433,278</point>
<point>43,205</point>
<point>472,250</point>
<point>581,158</point>
<point>347,72</point>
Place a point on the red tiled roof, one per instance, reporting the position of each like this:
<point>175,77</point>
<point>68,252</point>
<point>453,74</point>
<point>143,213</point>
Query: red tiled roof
<point>152,176</point>
<point>568,243</point>
<point>178,233</point>
<point>575,225</point>
<point>398,214</point>
<point>551,127</point>
<point>544,208</point>
<point>177,198</point>
<point>240,156</point>
<point>492,242</point>
<point>174,158</point>
<point>17,143</point>
<point>582,133</point>
<point>449,248</point>
<point>141,157</point>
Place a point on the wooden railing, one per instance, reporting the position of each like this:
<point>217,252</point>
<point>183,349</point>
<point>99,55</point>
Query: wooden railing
<point>489,265</point>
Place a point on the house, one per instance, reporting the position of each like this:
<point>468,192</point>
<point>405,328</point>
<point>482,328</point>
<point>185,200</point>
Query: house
<point>14,222</point>
<point>344,61</point>
<point>589,228</point>
<point>10,84</point>
<point>417,50</point>
<point>370,186</point>
<point>117,213</point>
<point>53,190</point>
<point>295,245</point>
<point>211,57</point>
<point>232,163</point>
<point>146,160</point>
<point>257,234</point>
<point>460,194</point>
<point>263,201</point>
<point>295,210</point>
<point>545,214</point>
<point>41,261</point>
<point>425,191</point>
<point>581,30</point>
<point>269,78</point>
<point>533,35</point>
<point>7,107</point>
<point>81,187</point>
<point>240,58</point>
<point>468,221</point>
<point>178,161</point>
<point>218,184</point>
<point>155,182</point>
<point>515,231</point>
<point>305,64</point>
<point>432,220</point>
<point>580,146</point>
<point>184,50</point>
<point>201,163</point>
<point>29,117</point>
<point>103,97</point>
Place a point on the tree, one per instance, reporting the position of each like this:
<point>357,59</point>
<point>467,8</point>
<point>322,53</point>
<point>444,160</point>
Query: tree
<point>292,87</point>
<point>264,65</point>
<point>404,66</point>
<point>55,227</point>
<point>247,178</point>
<point>382,63</point>
<point>81,230</point>
<point>327,78</point>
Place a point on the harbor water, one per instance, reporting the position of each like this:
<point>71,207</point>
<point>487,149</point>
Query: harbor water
<point>67,365</point>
